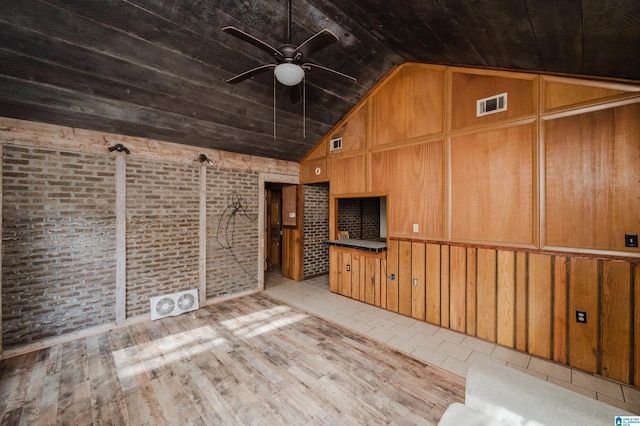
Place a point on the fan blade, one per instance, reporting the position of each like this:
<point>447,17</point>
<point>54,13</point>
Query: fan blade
<point>294,93</point>
<point>248,74</point>
<point>328,71</point>
<point>316,42</point>
<point>253,41</point>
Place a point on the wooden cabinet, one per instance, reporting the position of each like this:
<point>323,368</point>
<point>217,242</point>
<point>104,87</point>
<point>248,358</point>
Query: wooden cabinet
<point>357,274</point>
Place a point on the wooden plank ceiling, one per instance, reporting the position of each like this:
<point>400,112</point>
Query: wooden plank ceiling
<point>157,68</point>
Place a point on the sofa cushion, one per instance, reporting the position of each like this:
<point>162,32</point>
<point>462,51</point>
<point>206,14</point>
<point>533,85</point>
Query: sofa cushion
<point>517,398</point>
<point>458,414</point>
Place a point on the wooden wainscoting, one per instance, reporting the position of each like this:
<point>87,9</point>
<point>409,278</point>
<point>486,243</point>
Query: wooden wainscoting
<point>524,300</point>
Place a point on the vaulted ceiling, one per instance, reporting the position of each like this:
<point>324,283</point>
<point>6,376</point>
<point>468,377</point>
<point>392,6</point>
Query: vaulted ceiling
<point>157,68</point>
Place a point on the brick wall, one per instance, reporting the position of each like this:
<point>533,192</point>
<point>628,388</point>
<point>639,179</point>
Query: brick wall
<point>316,230</point>
<point>59,226</point>
<point>162,230</point>
<point>231,270</point>
<point>59,230</point>
<point>58,237</point>
<point>359,216</point>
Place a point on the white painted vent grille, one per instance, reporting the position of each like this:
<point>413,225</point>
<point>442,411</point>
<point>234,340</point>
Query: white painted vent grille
<point>491,105</point>
<point>335,144</point>
<point>171,305</point>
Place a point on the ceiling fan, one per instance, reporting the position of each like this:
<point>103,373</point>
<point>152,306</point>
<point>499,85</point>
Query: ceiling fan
<point>291,65</point>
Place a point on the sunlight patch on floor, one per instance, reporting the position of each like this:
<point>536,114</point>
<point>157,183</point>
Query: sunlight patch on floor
<point>262,322</point>
<point>145,357</point>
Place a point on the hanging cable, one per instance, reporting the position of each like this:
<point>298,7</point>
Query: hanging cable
<point>225,233</point>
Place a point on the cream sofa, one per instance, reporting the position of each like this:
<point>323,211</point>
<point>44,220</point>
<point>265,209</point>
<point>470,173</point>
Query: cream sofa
<point>499,395</point>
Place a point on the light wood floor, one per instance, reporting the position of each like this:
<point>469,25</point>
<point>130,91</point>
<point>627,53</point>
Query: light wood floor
<point>248,361</point>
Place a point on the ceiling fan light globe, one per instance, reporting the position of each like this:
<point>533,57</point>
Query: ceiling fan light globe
<point>289,74</point>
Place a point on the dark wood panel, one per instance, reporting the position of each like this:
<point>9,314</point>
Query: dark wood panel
<point>521,44</point>
<point>506,298</point>
<point>458,289</point>
<point>540,313</point>
<point>559,51</point>
<point>201,104</point>
<point>418,284</point>
<point>521,301</point>
<point>486,295</point>
<point>392,275</point>
<point>404,278</point>
<point>560,309</point>
<point>583,296</point>
<point>601,45</point>
<point>528,301</point>
<point>155,51</point>
<point>81,110</point>
<point>616,320</point>
<point>432,292</point>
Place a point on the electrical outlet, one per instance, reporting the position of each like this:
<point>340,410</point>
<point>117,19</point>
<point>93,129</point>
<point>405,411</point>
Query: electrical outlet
<point>348,268</point>
<point>393,277</point>
<point>415,282</point>
<point>631,240</point>
<point>581,316</point>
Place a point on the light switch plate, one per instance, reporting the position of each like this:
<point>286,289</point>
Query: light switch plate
<point>416,228</point>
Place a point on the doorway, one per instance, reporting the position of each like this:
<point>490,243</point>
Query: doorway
<point>273,249</point>
<point>266,182</point>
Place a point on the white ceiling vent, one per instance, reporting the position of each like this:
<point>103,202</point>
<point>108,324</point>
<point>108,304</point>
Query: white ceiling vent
<point>171,305</point>
<point>491,105</point>
<point>336,144</point>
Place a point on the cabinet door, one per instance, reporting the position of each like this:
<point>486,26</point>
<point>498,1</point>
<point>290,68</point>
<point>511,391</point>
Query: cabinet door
<point>418,284</point>
<point>334,269</point>
<point>357,278</point>
<point>391,287</point>
<point>372,281</point>
<point>344,273</point>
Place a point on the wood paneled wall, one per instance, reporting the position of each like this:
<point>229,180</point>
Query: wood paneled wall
<point>418,169</point>
<point>557,172</point>
<point>592,176</point>
<point>492,185</point>
<point>523,300</point>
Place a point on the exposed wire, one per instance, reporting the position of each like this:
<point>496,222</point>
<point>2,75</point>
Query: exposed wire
<point>225,233</point>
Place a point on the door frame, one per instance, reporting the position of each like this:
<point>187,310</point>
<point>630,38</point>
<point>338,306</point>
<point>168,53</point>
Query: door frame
<point>263,178</point>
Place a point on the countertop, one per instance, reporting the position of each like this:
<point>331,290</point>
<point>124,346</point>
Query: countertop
<point>367,245</point>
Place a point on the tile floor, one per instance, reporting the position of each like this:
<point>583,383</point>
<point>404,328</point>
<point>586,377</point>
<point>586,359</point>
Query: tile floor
<point>449,350</point>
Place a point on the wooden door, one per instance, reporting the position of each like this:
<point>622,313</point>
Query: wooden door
<point>274,235</point>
